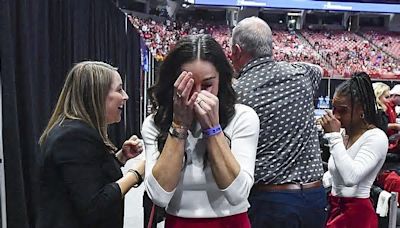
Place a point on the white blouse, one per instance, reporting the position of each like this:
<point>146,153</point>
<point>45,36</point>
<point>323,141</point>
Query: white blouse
<point>197,195</point>
<point>352,172</point>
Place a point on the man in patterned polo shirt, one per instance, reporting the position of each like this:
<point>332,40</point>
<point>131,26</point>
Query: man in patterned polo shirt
<point>287,190</point>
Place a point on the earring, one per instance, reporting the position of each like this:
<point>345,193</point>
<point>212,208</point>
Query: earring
<point>362,116</point>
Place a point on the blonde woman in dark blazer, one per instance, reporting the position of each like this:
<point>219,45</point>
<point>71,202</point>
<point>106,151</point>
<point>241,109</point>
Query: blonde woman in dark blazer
<point>81,184</point>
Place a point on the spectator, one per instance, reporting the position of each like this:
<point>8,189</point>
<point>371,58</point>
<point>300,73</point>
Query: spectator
<point>381,91</point>
<point>200,145</point>
<point>288,190</point>
<point>357,157</point>
<point>81,184</point>
<point>393,101</point>
<point>393,126</point>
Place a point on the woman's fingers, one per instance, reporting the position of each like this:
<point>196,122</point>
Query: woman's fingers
<point>323,118</point>
<point>322,121</point>
<point>133,137</point>
<point>179,79</point>
<point>183,89</point>
<point>188,88</point>
<point>133,144</point>
<point>193,99</point>
<point>208,98</point>
<point>207,94</point>
<point>182,85</point>
<point>326,119</point>
<point>200,112</point>
<point>330,114</point>
<point>183,101</point>
<point>204,104</point>
<point>204,98</point>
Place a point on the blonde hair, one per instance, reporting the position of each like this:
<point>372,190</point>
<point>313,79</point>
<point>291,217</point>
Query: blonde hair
<point>83,98</point>
<point>380,88</point>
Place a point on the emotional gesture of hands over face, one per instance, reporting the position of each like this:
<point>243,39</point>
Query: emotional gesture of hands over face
<point>197,99</point>
<point>329,122</point>
<point>184,99</point>
<point>206,109</point>
<point>190,102</point>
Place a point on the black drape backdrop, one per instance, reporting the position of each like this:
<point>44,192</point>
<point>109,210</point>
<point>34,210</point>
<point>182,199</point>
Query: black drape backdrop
<point>39,41</point>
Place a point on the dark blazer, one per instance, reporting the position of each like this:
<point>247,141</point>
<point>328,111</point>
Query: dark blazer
<point>77,180</point>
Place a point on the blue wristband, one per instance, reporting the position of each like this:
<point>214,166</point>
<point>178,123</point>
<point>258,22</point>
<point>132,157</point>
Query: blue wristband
<point>212,131</point>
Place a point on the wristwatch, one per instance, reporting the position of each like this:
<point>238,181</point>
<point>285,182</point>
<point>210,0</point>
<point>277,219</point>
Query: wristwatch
<point>178,132</point>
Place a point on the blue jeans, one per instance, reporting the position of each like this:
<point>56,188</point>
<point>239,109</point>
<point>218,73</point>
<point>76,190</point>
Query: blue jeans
<point>305,208</point>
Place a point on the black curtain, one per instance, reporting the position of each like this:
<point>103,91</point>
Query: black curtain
<point>39,42</point>
<point>133,81</point>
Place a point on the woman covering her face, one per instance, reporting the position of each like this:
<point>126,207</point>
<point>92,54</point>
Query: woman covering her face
<point>200,145</point>
<point>355,158</point>
<point>81,184</point>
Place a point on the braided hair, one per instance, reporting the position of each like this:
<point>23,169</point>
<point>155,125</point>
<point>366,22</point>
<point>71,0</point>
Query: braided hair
<point>359,89</point>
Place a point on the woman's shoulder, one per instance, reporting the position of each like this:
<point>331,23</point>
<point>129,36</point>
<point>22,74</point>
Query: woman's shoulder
<point>149,126</point>
<point>241,109</point>
<point>376,140</point>
<point>149,122</point>
<point>376,134</point>
<point>74,129</point>
<point>149,119</point>
<point>73,139</point>
<point>244,116</point>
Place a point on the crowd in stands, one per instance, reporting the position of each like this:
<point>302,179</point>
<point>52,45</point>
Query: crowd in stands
<point>289,47</point>
<point>388,41</point>
<point>349,52</point>
<point>159,36</point>
<point>339,52</point>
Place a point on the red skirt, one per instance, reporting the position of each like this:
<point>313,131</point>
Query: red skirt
<point>233,221</point>
<point>347,212</point>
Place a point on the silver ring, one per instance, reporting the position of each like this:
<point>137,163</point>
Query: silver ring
<point>178,94</point>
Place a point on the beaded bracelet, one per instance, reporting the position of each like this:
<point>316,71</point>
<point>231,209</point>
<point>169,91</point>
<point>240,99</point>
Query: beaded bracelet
<point>212,131</point>
<point>139,177</point>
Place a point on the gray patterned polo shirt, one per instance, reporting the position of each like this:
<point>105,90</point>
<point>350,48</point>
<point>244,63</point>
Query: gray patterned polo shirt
<point>282,95</point>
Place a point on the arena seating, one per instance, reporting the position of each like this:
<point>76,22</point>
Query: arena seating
<point>388,41</point>
<point>349,52</point>
<point>338,52</point>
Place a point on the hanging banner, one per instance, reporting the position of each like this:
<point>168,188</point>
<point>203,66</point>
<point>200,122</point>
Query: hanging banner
<point>144,56</point>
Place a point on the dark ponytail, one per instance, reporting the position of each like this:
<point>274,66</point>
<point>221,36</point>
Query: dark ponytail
<point>359,89</point>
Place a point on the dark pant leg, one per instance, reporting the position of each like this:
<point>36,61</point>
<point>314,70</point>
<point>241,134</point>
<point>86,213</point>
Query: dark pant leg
<point>315,212</point>
<point>288,209</point>
<point>159,213</point>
